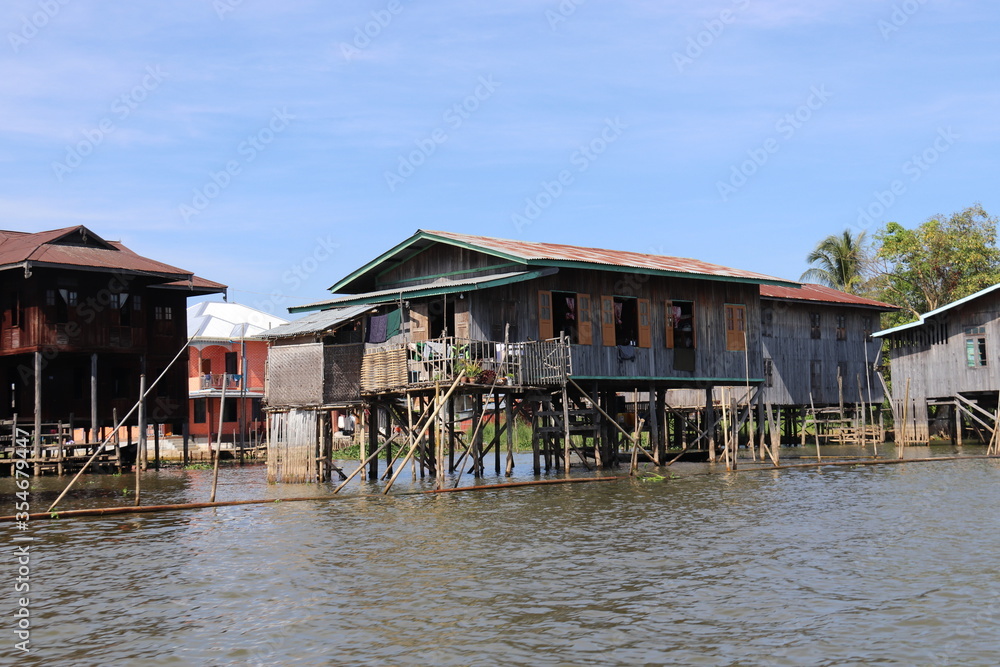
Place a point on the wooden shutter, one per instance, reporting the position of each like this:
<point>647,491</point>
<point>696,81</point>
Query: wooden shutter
<point>736,324</point>
<point>462,318</point>
<point>694,325</point>
<point>584,324</point>
<point>671,323</point>
<point>645,324</point>
<point>544,315</point>
<point>608,320</point>
<point>418,322</point>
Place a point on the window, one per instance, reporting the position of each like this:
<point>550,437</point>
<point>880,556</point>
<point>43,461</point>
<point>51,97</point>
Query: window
<point>815,378</point>
<point>564,314</point>
<point>626,320</point>
<point>768,372</point>
<point>767,322</point>
<point>736,326</point>
<point>229,412</point>
<point>866,326</point>
<point>814,325</point>
<point>841,327</point>
<point>13,315</point>
<point>136,303</point>
<point>231,365</point>
<point>545,324</point>
<point>680,325</point>
<point>50,297</point>
<point>200,416</point>
<point>975,347</point>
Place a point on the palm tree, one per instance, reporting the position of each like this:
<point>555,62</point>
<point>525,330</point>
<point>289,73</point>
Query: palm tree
<point>839,262</point>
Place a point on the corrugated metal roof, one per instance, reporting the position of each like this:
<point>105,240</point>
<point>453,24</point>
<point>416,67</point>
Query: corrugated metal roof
<point>316,322</point>
<point>440,286</point>
<point>534,255</point>
<point>541,252</point>
<point>79,247</point>
<point>820,293</point>
<point>937,311</point>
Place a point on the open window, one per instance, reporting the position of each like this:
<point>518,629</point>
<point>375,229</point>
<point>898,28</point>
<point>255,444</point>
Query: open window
<point>565,313</point>
<point>681,332</point>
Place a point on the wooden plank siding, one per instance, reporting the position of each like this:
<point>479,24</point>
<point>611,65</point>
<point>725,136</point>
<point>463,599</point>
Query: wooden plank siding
<point>442,261</point>
<point>801,363</point>
<point>934,358</point>
<point>653,357</point>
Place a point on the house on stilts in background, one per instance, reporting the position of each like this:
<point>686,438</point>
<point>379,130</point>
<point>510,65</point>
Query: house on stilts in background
<point>946,371</point>
<point>83,318</point>
<point>556,332</point>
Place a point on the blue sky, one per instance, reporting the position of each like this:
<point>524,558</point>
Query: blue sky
<point>275,147</point>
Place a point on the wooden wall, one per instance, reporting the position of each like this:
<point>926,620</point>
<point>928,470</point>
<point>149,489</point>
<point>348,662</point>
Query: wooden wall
<point>933,356</point>
<point>491,309</point>
<point>803,364</point>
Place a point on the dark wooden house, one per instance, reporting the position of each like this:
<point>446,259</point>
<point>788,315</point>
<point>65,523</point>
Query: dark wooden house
<point>543,315</point>
<point>946,370</point>
<point>82,318</point>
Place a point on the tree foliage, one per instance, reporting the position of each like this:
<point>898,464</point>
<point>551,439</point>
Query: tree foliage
<point>940,261</point>
<point>840,261</point>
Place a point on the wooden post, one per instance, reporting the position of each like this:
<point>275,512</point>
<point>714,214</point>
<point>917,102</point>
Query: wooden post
<point>118,445</point>
<point>373,426</point>
<point>156,446</point>
<point>565,417</point>
<point>496,433</point>
<point>37,441</point>
<point>388,449</point>
<point>812,406</point>
<point>654,427</point>
<point>509,419</point>
<point>185,433</point>
<point>142,417</point>
<point>710,423</point>
<point>535,458</point>
<point>60,451</point>
<point>138,448</point>
<point>477,435</point>
<point>93,399</point>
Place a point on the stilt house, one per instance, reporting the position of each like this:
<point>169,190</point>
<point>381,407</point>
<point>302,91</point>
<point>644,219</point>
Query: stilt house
<point>82,318</point>
<point>524,316</point>
<point>946,370</point>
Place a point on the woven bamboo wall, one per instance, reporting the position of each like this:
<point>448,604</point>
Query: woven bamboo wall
<point>342,373</point>
<point>384,369</point>
<point>295,375</point>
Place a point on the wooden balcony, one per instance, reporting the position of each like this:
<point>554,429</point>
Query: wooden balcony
<point>421,363</point>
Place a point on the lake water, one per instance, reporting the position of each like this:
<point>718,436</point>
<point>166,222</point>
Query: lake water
<point>825,566</point>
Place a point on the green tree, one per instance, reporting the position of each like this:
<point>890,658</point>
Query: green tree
<point>942,260</point>
<point>840,262</point>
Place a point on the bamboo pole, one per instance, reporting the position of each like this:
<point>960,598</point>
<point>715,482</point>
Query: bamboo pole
<point>902,435</point>
<point>812,405</point>
<point>218,446</point>
<point>138,447</point>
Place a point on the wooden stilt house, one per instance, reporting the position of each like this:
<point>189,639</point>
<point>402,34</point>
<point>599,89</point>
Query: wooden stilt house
<point>547,321</point>
<point>946,370</point>
<point>82,318</point>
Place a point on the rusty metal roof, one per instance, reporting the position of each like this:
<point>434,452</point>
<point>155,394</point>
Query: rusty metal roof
<point>531,251</point>
<point>820,293</point>
<point>534,255</point>
<point>78,247</point>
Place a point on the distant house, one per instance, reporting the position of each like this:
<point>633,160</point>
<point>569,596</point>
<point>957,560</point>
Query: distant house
<point>226,353</point>
<point>82,319</point>
<point>946,368</point>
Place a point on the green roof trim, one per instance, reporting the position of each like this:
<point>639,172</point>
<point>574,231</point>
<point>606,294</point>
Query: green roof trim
<point>388,296</point>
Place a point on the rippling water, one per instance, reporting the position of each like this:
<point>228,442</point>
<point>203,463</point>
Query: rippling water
<point>827,566</point>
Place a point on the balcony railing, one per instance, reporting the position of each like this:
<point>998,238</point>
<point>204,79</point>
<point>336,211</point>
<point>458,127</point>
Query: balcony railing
<point>232,382</point>
<point>533,363</point>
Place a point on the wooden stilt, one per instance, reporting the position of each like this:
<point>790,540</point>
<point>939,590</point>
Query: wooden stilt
<point>511,426</point>
<point>710,422</point>
<point>218,445</point>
